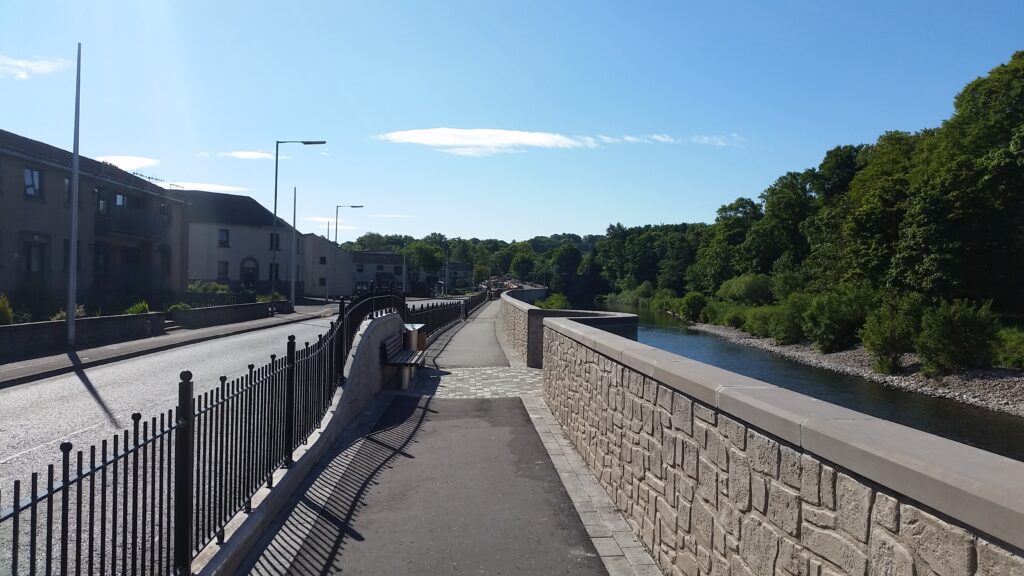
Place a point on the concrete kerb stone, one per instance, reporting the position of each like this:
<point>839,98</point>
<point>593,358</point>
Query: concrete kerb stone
<point>979,488</point>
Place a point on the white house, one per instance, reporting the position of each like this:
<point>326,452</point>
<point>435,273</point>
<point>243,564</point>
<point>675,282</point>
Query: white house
<point>231,240</point>
<point>327,268</point>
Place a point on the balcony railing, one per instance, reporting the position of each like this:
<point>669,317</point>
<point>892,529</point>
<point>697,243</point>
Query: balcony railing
<point>138,223</point>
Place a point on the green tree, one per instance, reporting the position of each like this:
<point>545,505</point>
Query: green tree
<point>422,257</point>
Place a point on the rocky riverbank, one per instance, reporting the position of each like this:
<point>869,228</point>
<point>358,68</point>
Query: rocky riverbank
<point>995,388</point>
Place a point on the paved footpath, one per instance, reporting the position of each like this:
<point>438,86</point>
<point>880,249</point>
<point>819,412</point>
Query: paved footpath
<point>467,473</point>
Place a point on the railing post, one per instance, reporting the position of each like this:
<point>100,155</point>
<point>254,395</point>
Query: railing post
<point>289,405</point>
<point>184,435</point>
<point>65,447</point>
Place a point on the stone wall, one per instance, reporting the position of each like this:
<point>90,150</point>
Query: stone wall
<point>524,324</point>
<point>719,474</point>
<point>229,314</point>
<point>37,339</point>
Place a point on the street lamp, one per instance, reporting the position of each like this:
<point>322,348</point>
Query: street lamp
<point>273,234</point>
<point>327,295</point>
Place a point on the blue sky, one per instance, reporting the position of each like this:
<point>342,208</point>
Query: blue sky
<point>490,119</point>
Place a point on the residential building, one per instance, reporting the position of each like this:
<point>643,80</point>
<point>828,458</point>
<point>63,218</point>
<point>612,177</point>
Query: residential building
<point>232,240</point>
<point>460,275</point>
<point>132,234</point>
<point>327,267</point>
<point>382,268</point>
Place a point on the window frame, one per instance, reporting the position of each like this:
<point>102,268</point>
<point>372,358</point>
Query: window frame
<point>224,238</point>
<point>37,185</point>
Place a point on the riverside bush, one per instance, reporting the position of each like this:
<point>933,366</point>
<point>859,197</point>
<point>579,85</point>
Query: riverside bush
<point>787,324</point>
<point>178,306</point>
<point>6,314</point>
<point>725,313</point>
<point>759,321</point>
<point>833,319</point>
<point>692,305</point>
<point>1009,348</point>
<point>748,289</point>
<point>889,331</point>
<point>956,336</point>
<point>663,299</point>
<point>556,301</point>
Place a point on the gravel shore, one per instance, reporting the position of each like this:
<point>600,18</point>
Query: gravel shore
<point>995,388</point>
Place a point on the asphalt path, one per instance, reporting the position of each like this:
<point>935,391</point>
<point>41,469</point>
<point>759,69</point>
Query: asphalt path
<point>458,487</point>
<point>475,344</point>
<point>90,405</point>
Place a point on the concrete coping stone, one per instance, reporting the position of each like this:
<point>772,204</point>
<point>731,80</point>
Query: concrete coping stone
<point>981,489</point>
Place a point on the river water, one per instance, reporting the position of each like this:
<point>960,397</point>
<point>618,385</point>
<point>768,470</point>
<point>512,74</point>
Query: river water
<point>986,429</point>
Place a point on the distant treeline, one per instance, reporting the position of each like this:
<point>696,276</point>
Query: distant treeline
<point>908,223</point>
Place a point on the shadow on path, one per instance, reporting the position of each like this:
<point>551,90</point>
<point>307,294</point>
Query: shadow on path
<point>319,522</point>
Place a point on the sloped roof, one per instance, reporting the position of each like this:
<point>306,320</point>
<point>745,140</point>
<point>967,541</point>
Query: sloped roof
<point>228,209</point>
<point>54,156</point>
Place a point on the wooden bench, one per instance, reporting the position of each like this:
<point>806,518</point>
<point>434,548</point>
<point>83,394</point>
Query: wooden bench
<point>392,353</point>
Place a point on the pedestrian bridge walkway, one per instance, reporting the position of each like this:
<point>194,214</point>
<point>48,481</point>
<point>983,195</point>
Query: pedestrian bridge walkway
<point>466,473</point>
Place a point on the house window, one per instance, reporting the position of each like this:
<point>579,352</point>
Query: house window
<point>323,260</point>
<point>33,255</point>
<point>275,271</point>
<point>323,282</point>
<point>359,268</point>
<point>398,270</point>
<point>224,238</point>
<point>380,267</point>
<point>33,184</point>
<point>275,241</point>
<point>222,270</point>
<point>102,201</point>
<point>120,200</point>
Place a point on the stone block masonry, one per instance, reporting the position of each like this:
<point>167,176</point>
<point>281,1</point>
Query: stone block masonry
<point>718,474</point>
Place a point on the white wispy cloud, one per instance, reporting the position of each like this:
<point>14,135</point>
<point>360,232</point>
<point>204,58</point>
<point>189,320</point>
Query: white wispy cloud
<point>489,141</point>
<point>203,155</point>
<point>248,155</point>
<point>719,140</point>
<point>330,227</point>
<point>129,163</point>
<point>390,216</point>
<point>203,186</point>
<point>23,69</point>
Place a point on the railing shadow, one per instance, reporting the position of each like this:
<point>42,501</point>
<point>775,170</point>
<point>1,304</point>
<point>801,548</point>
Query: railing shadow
<point>319,521</point>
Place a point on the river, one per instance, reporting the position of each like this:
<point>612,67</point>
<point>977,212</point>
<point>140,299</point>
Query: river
<point>986,429</point>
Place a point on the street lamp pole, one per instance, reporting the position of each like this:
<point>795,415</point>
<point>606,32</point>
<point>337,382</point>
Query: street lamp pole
<point>274,243</point>
<point>330,261</point>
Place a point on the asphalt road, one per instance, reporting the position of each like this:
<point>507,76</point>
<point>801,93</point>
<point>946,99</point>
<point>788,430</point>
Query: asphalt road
<point>93,404</point>
<point>476,342</point>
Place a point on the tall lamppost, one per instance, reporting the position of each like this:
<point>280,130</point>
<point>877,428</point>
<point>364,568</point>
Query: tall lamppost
<point>274,243</point>
<point>327,295</point>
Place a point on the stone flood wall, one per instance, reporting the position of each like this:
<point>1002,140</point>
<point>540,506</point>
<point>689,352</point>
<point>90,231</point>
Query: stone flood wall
<point>515,318</point>
<point>524,324</point>
<point>723,475</point>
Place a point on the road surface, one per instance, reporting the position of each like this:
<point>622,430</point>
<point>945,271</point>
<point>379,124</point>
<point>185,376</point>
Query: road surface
<point>93,404</point>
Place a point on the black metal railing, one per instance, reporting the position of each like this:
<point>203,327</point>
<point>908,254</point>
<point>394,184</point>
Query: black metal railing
<point>149,499</point>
